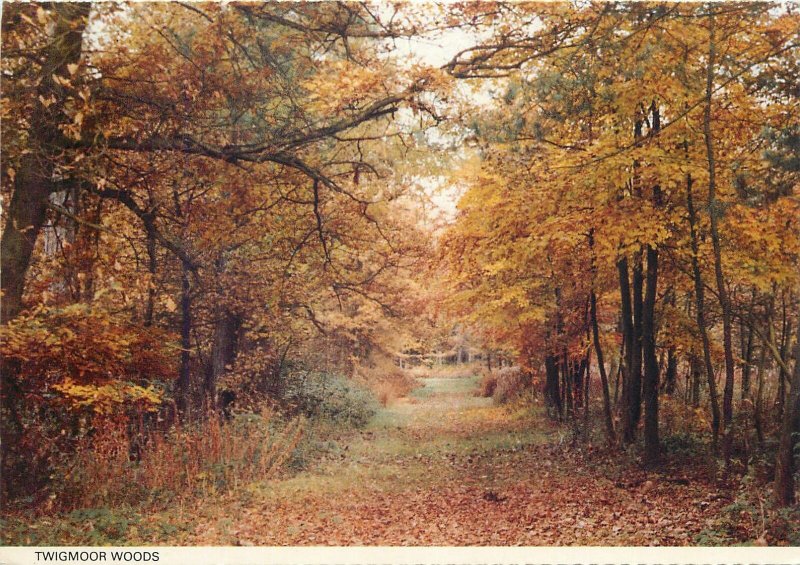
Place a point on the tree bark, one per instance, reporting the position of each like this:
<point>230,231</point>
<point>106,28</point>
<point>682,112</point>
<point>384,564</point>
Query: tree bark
<point>758,421</point>
<point>183,400</point>
<point>652,446</point>
<point>790,427</point>
<point>628,432</point>
<point>696,372</point>
<point>746,340</point>
<point>650,382</point>
<point>699,296</point>
<point>786,332</point>
<point>608,418</point>
<point>551,390</point>
<point>152,265</point>
<point>223,351</point>
<point>34,182</point>
<point>635,398</point>
<point>722,291</point>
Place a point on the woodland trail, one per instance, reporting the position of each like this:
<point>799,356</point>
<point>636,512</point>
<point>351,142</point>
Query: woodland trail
<point>444,467</point>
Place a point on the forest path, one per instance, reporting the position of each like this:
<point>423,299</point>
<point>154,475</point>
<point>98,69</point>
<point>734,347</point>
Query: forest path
<point>444,467</point>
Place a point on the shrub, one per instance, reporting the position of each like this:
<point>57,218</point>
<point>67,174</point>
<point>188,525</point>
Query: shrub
<point>67,372</point>
<point>488,384</point>
<point>510,383</point>
<point>386,380</point>
<point>328,396</point>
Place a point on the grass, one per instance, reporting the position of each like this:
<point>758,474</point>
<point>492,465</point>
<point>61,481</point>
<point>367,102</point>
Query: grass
<point>417,474</point>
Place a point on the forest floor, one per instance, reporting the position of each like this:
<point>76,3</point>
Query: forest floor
<point>439,467</point>
<point>444,467</point>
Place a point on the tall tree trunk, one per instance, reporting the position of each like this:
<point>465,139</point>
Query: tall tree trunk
<point>650,387</point>
<point>671,371</point>
<point>650,382</point>
<point>758,420</point>
<point>628,431</point>
<point>746,340</point>
<point>790,427</point>
<point>635,399</point>
<point>696,372</point>
<point>786,332</point>
<point>608,418</point>
<point>700,309</point>
<point>151,268</point>
<point>722,292</point>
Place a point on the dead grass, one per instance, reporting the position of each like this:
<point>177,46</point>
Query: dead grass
<point>190,461</point>
<point>386,380</point>
<point>447,469</point>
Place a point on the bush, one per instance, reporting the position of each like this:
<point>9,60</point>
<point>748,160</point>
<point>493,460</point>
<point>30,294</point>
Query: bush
<point>488,384</point>
<point>68,372</point>
<point>511,382</point>
<point>328,396</point>
<point>386,380</point>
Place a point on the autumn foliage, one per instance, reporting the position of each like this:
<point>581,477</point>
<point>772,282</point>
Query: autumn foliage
<point>223,233</point>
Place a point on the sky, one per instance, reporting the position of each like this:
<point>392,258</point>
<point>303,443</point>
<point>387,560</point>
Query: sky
<point>436,51</point>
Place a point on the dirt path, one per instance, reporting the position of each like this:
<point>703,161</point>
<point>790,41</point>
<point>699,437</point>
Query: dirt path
<point>443,467</point>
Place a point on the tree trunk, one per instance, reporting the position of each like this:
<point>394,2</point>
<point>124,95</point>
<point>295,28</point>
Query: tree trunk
<point>699,296</point>
<point>722,291</point>
<point>780,399</point>
<point>151,268</point>
<point>628,431</point>
<point>650,387</point>
<point>183,400</point>
<point>650,383</point>
<point>671,372</point>
<point>634,411</point>
<point>696,372</point>
<point>758,421</point>
<point>746,339</point>
<point>223,351</point>
<point>34,180</point>
<point>790,427</point>
<point>552,394</point>
<point>609,420</point>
